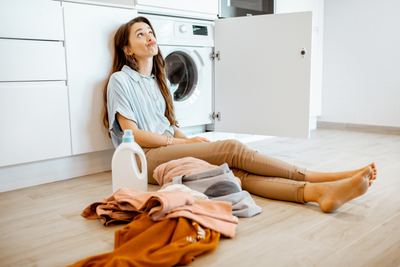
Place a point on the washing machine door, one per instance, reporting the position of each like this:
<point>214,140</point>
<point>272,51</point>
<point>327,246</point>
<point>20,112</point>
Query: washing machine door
<point>182,73</point>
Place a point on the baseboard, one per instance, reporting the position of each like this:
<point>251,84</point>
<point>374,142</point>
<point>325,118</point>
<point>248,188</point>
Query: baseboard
<point>47,171</point>
<point>358,128</point>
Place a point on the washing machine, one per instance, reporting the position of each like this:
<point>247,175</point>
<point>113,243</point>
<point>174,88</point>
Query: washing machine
<point>186,46</point>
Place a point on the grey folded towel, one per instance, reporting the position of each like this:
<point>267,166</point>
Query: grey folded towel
<point>219,184</point>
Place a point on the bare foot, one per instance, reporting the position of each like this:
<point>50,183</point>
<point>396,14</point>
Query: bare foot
<point>332,195</point>
<point>372,165</point>
<point>320,177</point>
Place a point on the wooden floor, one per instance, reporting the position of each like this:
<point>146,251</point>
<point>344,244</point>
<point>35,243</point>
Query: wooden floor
<point>41,225</point>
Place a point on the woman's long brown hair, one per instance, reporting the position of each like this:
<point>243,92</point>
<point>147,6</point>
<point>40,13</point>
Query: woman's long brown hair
<point>121,39</point>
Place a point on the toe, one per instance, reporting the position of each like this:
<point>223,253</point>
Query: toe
<point>373,167</point>
<point>368,171</point>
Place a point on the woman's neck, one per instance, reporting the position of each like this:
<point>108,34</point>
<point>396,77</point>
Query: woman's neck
<point>145,66</point>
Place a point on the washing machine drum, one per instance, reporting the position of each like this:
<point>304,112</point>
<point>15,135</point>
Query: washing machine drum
<point>182,73</point>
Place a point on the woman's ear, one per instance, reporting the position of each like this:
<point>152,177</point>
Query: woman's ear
<point>126,51</point>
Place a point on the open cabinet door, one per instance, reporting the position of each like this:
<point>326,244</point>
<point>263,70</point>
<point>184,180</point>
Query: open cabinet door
<point>262,78</point>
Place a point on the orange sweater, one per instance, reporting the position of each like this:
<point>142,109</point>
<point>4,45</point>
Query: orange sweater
<point>144,242</point>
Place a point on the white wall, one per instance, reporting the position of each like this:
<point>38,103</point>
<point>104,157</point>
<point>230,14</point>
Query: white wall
<point>361,70</point>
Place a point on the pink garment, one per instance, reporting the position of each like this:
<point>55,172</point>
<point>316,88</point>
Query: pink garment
<point>125,204</point>
<point>164,173</point>
<point>215,217</point>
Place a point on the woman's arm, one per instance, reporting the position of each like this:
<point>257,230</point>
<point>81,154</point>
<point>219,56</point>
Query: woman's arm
<point>149,139</point>
<point>178,133</point>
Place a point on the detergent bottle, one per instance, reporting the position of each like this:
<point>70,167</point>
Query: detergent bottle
<point>125,171</point>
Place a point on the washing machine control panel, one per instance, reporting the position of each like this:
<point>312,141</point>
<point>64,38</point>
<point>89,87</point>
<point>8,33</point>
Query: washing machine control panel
<point>188,29</point>
<point>182,31</point>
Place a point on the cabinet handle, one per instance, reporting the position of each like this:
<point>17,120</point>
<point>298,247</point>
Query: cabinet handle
<point>303,52</point>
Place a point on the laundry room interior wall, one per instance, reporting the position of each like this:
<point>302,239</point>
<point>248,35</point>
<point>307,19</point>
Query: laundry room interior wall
<point>361,69</point>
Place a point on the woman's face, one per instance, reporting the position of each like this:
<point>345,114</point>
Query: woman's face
<point>142,43</point>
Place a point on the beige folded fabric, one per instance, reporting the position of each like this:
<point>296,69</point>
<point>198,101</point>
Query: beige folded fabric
<point>164,173</point>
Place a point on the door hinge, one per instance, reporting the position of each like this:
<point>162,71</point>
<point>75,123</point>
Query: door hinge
<point>215,55</point>
<point>218,116</point>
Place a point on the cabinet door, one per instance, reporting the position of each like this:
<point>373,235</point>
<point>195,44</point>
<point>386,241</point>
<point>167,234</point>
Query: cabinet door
<point>89,34</point>
<point>192,8</point>
<point>35,122</point>
<point>26,60</point>
<point>317,8</point>
<point>38,19</point>
<point>262,81</point>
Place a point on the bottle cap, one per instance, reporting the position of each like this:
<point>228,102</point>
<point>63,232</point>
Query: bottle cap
<point>128,137</point>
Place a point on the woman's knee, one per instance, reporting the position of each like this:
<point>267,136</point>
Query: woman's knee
<point>235,148</point>
<point>234,144</point>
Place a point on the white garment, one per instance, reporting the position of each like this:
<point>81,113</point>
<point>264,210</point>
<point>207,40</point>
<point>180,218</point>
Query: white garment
<point>180,187</point>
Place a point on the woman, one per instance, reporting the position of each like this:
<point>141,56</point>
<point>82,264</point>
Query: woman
<point>137,97</point>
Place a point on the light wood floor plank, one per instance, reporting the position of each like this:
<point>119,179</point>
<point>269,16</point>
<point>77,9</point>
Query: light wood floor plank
<point>379,247</point>
<point>56,255</point>
<point>293,252</point>
<point>348,226</point>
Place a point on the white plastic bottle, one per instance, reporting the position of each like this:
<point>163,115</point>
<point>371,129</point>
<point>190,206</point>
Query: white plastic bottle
<point>125,171</point>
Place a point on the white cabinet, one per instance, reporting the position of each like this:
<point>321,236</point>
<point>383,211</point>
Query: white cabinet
<point>206,9</point>
<point>27,19</point>
<point>317,8</point>
<point>27,60</point>
<point>89,35</point>
<point>262,79</point>
<point>111,3</point>
<point>33,93</point>
<point>35,122</point>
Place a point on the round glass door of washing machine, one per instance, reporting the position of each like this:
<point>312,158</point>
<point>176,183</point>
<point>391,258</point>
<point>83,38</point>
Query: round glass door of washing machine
<point>182,73</point>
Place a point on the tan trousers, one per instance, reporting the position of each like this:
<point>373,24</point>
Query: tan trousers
<point>261,175</point>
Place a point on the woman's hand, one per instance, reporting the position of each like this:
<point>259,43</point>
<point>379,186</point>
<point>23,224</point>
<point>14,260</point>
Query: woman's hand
<point>197,139</point>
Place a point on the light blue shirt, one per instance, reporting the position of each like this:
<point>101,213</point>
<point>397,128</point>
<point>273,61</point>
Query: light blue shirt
<point>135,98</point>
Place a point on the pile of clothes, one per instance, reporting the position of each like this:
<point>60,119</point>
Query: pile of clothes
<point>198,202</point>
<point>216,182</point>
